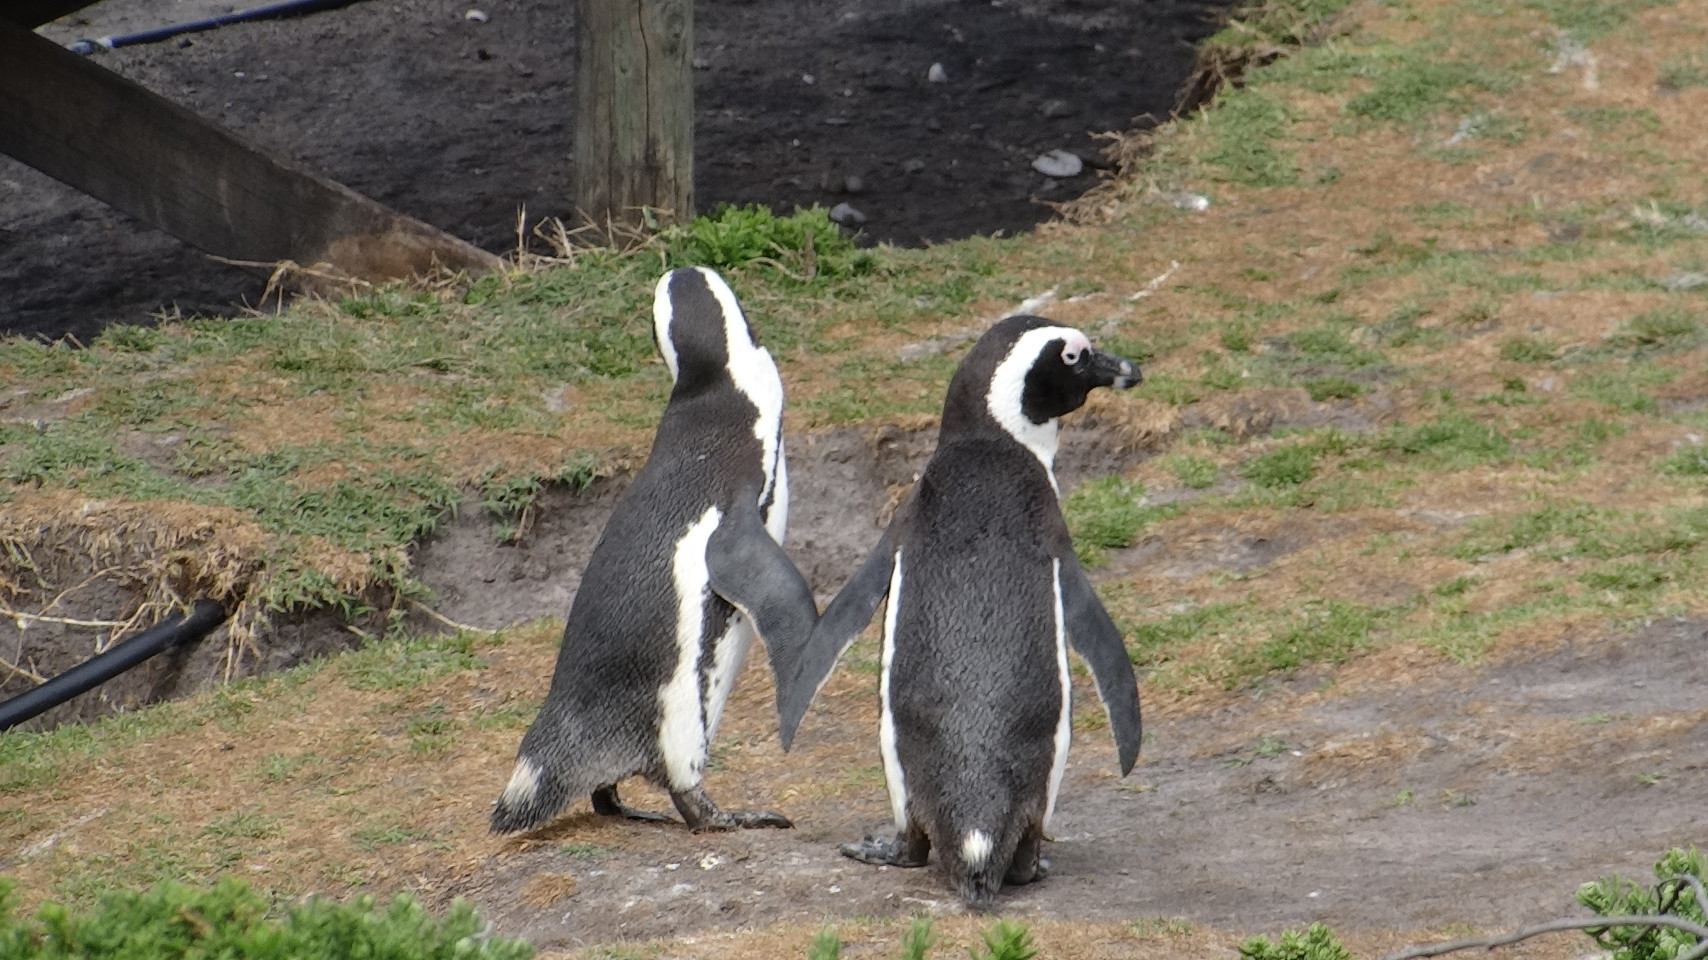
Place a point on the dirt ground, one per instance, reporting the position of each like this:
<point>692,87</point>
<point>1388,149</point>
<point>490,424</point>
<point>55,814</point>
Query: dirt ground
<point>462,123</point>
<point>1402,792</point>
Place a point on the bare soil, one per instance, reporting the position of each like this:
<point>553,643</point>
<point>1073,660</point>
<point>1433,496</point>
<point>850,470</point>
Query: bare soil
<point>1400,793</point>
<point>463,123</point>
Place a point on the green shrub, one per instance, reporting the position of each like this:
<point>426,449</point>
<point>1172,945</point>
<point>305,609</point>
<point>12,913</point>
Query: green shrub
<point>172,921</point>
<point>804,245</point>
<point>1006,940</point>
<point>1316,943</point>
<point>1614,896</point>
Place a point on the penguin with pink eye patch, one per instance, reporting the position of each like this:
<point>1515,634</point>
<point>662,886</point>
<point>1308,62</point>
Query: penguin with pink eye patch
<point>985,597</point>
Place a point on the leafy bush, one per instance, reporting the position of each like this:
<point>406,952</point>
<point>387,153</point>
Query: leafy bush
<point>802,246</point>
<point>1316,943</point>
<point>173,920</point>
<point>1613,896</point>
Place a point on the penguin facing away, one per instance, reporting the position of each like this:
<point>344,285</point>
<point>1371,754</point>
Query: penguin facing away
<point>985,596</point>
<point>688,567</point>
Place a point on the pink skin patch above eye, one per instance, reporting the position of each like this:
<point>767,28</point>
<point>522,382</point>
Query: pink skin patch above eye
<point>1075,347</point>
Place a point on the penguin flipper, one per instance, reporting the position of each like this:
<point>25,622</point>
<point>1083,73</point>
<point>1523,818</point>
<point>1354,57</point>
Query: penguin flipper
<point>1098,642</point>
<point>843,620</point>
<point>751,571</point>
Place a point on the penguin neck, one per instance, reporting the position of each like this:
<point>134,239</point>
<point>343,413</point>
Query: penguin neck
<point>987,418</point>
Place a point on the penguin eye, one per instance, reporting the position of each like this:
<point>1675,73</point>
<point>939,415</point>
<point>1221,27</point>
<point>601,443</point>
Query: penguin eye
<point>1070,356</point>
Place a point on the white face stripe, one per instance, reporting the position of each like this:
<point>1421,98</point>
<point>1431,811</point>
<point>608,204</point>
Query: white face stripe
<point>886,722</point>
<point>1064,724</point>
<point>682,732</point>
<point>1008,383</point>
<point>662,314</point>
<point>754,373</point>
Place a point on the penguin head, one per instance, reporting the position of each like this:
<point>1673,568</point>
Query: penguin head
<point>1023,373</point>
<point>699,329</point>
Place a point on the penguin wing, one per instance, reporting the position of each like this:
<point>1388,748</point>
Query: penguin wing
<point>751,571</point>
<point>843,620</point>
<point>1098,642</point>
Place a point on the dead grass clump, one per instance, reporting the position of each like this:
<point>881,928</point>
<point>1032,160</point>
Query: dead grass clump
<point>165,554</point>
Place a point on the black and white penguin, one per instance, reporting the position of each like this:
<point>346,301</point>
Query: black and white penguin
<point>985,597</point>
<point>688,567</point>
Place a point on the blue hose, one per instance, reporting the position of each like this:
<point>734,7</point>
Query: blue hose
<point>272,11</point>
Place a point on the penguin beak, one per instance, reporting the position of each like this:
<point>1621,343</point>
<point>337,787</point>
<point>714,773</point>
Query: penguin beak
<point>1108,370</point>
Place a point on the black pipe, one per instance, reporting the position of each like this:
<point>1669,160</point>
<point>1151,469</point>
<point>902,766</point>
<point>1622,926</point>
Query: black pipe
<point>288,8</point>
<point>102,667</point>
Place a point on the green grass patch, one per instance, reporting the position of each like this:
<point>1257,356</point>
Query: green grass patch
<point>1288,466</point>
<point>1194,473</point>
<point>1331,632</point>
<point>1333,388</point>
<point>1589,19</point>
<point>174,921</point>
<point>1246,131</point>
<point>1108,513</point>
<point>1418,83</point>
<point>1451,441</point>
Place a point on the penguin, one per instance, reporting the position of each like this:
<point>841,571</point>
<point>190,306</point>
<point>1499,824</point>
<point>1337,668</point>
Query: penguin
<point>688,568</point>
<point>985,597</point>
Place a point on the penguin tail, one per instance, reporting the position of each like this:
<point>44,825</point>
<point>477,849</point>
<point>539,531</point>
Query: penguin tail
<point>532,797</point>
<point>977,864</point>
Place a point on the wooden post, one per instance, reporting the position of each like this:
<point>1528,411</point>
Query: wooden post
<point>634,110</point>
<point>104,135</point>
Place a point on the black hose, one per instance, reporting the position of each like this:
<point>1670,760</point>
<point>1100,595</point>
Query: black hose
<point>288,8</point>
<point>102,667</point>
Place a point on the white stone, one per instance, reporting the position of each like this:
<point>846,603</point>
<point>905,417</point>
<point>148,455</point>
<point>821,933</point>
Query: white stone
<point>1060,164</point>
<point>937,74</point>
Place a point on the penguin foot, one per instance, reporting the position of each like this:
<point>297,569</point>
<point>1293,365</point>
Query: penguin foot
<point>1020,877</point>
<point>704,815</point>
<point>895,852</point>
<point>606,804</point>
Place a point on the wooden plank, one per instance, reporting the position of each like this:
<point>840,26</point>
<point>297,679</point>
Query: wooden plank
<point>34,13</point>
<point>634,109</point>
<point>110,138</point>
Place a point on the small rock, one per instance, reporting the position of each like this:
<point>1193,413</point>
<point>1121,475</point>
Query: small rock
<point>937,74</point>
<point>1059,164</point>
<point>478,16</point>
<point>853,184</point>
<point>1057,108</point>
<point>912,165</point>
<point>847,215</point>
<point>701,63</point>
<point>1187,200</point>
<point>808,79</point>
<point>1685,281</point>
<point>933,124</point>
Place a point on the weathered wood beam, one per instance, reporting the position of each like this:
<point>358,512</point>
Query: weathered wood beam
<point>634,109</point>
<point>110,138</point>
<point>34,13</point>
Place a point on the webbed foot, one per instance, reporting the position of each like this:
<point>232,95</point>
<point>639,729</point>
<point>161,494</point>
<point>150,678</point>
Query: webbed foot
<point>896,852</point>
<point>704,815</point>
